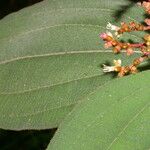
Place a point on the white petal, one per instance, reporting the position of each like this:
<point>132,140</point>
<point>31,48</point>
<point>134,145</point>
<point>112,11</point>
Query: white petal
<point>112,27</point>
<point>109,33</point>
<point>108,68</point>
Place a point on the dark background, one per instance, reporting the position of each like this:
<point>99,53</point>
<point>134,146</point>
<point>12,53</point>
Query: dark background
<point>8,6</point>
<point>22,140</point>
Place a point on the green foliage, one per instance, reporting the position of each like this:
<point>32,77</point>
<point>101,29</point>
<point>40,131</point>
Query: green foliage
<point>50,60</point>
<point>113,117</point>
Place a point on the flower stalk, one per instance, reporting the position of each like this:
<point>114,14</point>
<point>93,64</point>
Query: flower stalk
<point>112,41</point>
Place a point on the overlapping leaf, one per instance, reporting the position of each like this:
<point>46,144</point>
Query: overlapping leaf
<point>115,117</point>
<point>50,58</point>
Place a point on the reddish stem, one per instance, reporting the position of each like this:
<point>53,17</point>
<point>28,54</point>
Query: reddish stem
<point>137,45</point>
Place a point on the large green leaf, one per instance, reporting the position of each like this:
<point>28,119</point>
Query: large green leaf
<point>50,58</point>
<point>115,117</point>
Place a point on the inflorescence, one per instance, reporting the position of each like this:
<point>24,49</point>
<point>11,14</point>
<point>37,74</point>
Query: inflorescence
<point>111,40</point>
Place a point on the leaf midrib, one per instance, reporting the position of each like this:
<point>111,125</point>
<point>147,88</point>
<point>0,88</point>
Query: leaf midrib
<point>54,54</point>
<point>60,54</point>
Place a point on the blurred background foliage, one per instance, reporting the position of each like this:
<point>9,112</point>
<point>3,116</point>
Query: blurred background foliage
<point>22,140</point>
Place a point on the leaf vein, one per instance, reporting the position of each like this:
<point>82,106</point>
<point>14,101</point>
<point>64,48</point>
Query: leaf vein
<point>49,86</point>
<point>127,125</point>
<point>60,53</point>
<point>45,110</point>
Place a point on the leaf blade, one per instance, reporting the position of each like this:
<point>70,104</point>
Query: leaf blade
<point>50,55</point>
<point>109,119</point>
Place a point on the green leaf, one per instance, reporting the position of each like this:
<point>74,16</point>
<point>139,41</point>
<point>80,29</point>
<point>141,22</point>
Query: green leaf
<point>114,117</point>
<point>50,58</point>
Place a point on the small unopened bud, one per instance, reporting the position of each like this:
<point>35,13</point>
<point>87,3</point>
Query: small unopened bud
<point>129,51</point>
<point>103,36</point>
<point>147,38</point>
<point>147,21</point>
<point>117,49</point>
<point>107,44</point>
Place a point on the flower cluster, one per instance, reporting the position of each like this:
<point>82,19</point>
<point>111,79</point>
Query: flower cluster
<point>111,40</point>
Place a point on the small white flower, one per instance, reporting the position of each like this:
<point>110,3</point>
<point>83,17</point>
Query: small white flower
<point>109,33</point>
<point>117,63</point>
<point>112,27</point>
<point>108,68</point>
